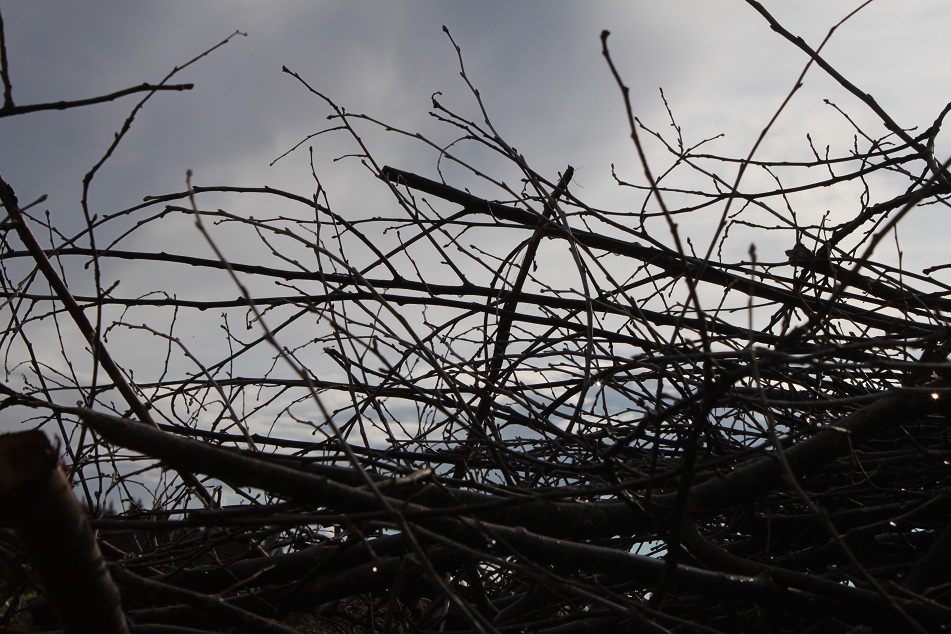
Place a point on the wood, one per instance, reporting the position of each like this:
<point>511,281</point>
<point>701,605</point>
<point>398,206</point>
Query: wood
<point>56,537</point>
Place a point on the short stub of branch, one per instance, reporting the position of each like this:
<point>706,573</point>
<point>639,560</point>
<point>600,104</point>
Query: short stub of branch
<point>56,536</point>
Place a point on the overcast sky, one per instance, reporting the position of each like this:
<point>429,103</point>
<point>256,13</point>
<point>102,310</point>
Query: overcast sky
<point>537,63</point>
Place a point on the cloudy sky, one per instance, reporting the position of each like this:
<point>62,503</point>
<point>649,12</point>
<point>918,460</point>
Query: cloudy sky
<point>537,63</point>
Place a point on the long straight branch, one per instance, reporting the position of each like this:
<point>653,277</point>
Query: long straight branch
<point>10,110</point>
<point>507,316</point>
<point>10,203</point>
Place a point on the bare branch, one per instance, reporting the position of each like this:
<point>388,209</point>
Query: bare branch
<point>10,110</point>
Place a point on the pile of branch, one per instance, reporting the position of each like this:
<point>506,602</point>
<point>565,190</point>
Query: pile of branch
<point>508,412</point>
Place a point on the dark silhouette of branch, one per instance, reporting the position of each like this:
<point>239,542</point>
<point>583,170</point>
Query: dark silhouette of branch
<point>493,406</point>
<point>5,70</point>
<point>10,110</point>
<point>55,534</point>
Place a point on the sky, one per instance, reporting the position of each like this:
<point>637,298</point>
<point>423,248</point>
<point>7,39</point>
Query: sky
<point>537,64</point>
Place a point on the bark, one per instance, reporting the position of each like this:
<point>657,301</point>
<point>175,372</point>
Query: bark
<point>56,536</point>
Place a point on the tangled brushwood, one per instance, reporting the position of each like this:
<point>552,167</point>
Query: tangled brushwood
<point>493,407</point>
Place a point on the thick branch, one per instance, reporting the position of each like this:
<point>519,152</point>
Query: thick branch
<point>54,531</point>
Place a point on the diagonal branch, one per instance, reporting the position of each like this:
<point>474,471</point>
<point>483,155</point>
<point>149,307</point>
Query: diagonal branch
<point>9,201</point>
